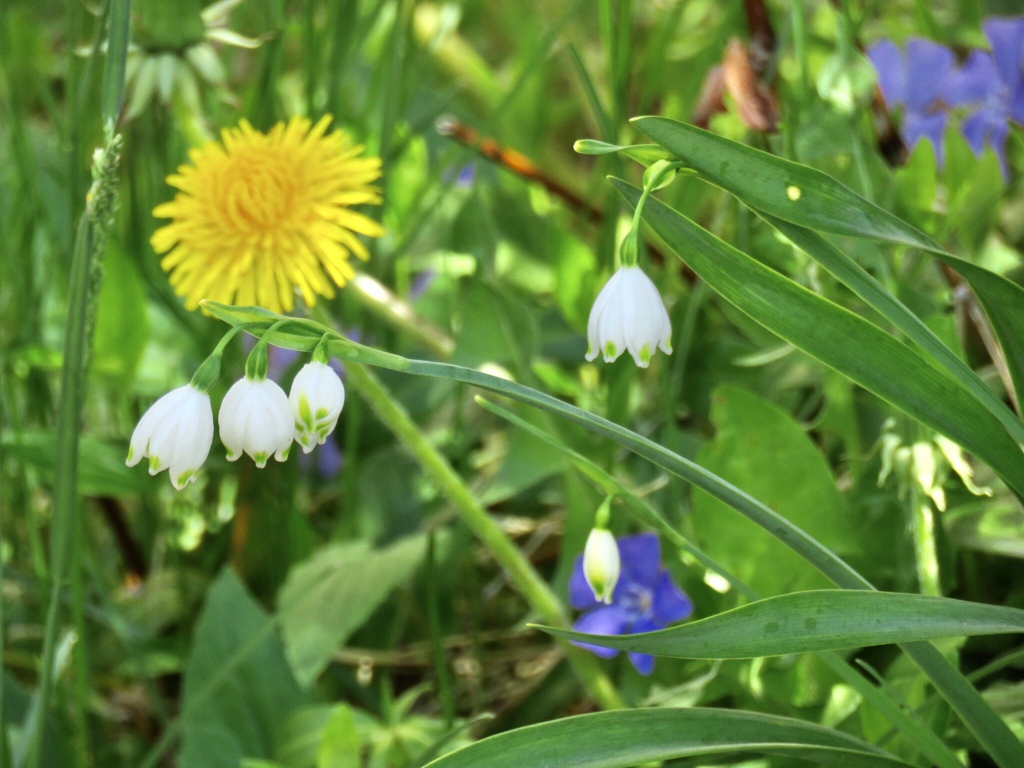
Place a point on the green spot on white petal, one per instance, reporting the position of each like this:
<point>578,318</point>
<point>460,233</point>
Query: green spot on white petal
<point>131,452</point>
<point>186,477</point>
<point>321,414</point>
<point>260,457</point>
<point>305,413</point>
<point>645,354</point>
<point>154,464</point>
<point>610,350</point>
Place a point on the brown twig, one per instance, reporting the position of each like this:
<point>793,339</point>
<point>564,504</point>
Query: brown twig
<point>523,167</point>
<point>516,162</point>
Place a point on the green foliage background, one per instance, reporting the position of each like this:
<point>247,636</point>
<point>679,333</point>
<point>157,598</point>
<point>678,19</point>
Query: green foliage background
<point>380,616</point>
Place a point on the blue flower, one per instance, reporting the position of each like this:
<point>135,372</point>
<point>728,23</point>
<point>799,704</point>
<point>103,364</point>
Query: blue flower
<point>992,86</point>
<point>916,81</point>
<point>645,599</point>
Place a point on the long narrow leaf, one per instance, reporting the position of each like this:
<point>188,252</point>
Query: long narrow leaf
<point>838,338</point>
<point>854,277</point>
<point>636,736</point>
<point>820,620</point>
<point>809,198</point>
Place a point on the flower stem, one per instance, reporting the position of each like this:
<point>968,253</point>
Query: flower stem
<point>518,569</point>
<point>86,276</point>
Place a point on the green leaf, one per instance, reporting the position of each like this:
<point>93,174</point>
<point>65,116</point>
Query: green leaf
<point>759,448</point>
<point>238,688</point>
<point>328,597</point>
<point>122,328</point>
<point>820,620</point>
<point>101,467</point>
<point>854,277</point>
<point>811,199</point>
<point>779,187</point>
<point>339,744</point>
<point>838,338</point>
<point>642,153</point>
<point>632,737</point>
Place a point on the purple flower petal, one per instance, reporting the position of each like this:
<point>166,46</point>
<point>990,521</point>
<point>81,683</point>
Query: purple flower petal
<point>641,560</point>
<point>642,662</point>
<point>670,602</point>
<point>606,620</point>
<point>917,126</point>
<point>581,596</point>
<point>1006,36</point>
<point>975,82</point>
<point>892,74</point>
<point>929,66</point>
<point>988,127</point>
<point>1015,103</point>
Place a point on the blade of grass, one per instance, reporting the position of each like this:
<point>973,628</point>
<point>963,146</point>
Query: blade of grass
<point>117,54</point>
<point>819,620</point>
<point>857,279</point>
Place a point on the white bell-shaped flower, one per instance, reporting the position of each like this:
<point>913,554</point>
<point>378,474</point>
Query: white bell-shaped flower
<point>256,418</point>
<point>601,564</point>
<point>317,398</point>
<point>176,432</point>
<point>628,314</point>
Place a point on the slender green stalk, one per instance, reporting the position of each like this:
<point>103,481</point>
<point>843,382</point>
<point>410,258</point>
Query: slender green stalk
<point>86,276</point>
<point>976,713</point>
<point>518,569</point>
<point>5,752</point>
<point>117,53</point>
<point>444,683</point>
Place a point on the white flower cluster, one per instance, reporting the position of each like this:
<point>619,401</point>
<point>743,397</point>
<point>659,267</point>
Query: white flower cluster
<point>628,315</point>
<point>256,418</point>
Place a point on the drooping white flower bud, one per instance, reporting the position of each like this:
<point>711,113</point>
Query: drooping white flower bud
<point>601,564</point>
<point>256,418</point>
<point>176,433</point>
<point>317,397</point>
<point>628,314</point>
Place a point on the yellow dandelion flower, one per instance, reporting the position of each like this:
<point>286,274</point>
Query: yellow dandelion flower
<point>259,215</point>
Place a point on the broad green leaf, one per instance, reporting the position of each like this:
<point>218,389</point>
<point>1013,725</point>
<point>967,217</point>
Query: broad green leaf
<point>839,339</point>
<point>340,743</point>
<point>820,620</point>
<point>328,597</point>
<point>759,448</point>
<point>633,737</point>
<point>238,688</point>
<point>811,199</point>
<point>527,461</point>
